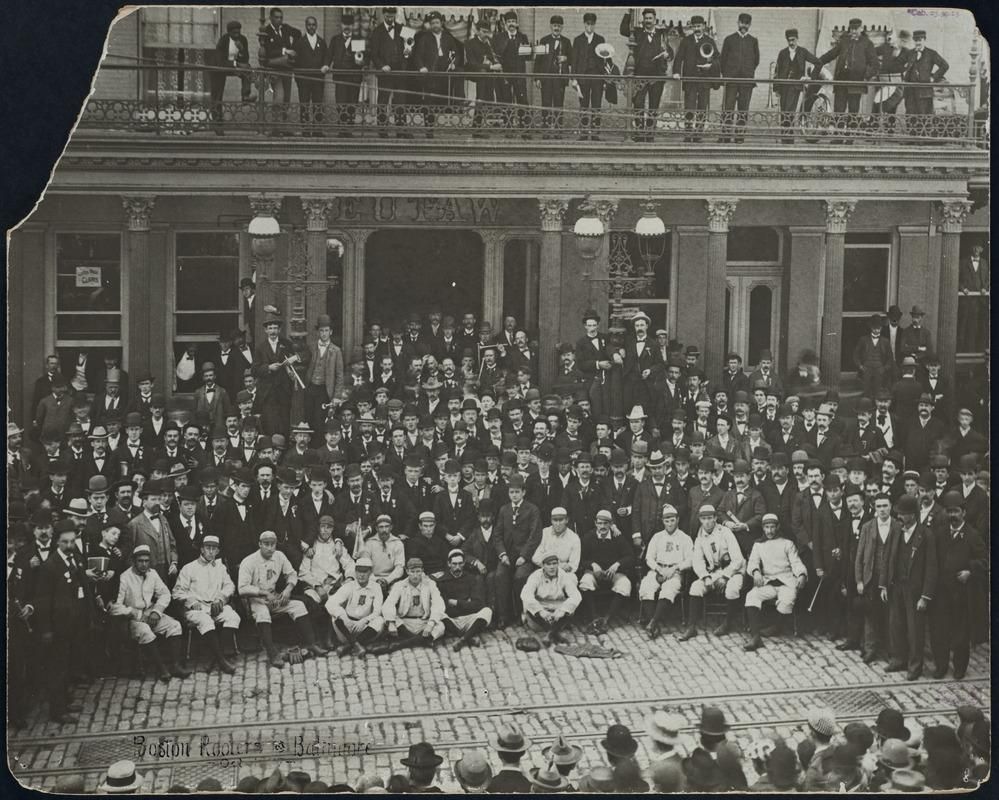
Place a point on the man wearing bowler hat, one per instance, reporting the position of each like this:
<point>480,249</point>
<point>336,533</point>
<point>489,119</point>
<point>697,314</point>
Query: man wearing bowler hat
<point>873,358</point>
<point>924,66</point>
<point>696,57</point>
<point>916,340</point>
<point>922,435</point>
<point>740,56</point>
<point>855,60</point>
<point>962,558</point>
<point>272,374</point>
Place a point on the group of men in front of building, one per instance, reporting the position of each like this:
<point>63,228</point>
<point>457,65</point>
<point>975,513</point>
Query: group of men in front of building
<point>499,59</point>
<point>434,504</point>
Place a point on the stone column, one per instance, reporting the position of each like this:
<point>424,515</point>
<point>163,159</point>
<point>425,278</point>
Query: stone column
<point>952,216</point>
<point>837,215</point>
<point>803,310</point>
<point>317,210</point>
<point>552,210</point>
<point>531,290</point>
<point>720,212</point>
<point>138,335</point>
<point>492,278</point>
<point>353,290</point>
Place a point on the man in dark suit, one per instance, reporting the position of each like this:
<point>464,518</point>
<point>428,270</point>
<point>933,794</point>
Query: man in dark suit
<point>791,67</point>
<point>62,601</point>
<point>691,63</point>
<point>480,57</point>
<point>272,374</point>
<point>277,55</point>
<point>924,66</point>
<point>43,386</point>
<point>243,342</point>
<point>235,522</point>
<point>855,60</point>
<point>651,60</point>
<point>311,66</point>
<point>518,525</point>
<point>347,64</point>
<point>874,359</point>
<point>586,62</point>
<point>639,359</point>
<point>506,44</point>
<point>974,284</point>
<point>922,435</point>
<point>230,364</point>
<point>437,54</point>
<point>231,53</point>
<point>891,332</point>
<point>910,579</point>
<point>740,56</point>
<point>314,504</point>
<point>388,54</point>
<point>556,61</point>
<point>188,524</point>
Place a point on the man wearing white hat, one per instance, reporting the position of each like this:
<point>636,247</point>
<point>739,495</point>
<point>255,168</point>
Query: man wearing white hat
<point>718,566</point>
<point>464,596</point>
<point>663,728</point>
<point>560,539</point>
<point>143,598</point>
<point>205,589</point>
<point>639,360</point>
<point>356,609</point>
<point>669,553</point>
<point>607,561</point>
<point>121,778</point>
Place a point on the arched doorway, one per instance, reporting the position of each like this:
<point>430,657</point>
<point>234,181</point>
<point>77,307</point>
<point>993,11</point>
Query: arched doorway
<point>410,271</point>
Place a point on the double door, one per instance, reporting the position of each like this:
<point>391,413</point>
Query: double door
<point>753,316</point>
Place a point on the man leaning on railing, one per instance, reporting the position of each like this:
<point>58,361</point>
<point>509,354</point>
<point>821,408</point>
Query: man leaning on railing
<point>791,67</point>
<point>233,51</point>
<point>855,60</point>
<point>277,54</point>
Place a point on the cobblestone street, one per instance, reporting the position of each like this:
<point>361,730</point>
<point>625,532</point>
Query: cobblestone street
<point>337,718</point>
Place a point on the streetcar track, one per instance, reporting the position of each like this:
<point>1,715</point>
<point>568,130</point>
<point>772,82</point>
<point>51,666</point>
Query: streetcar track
<point>485,711</point>
<point>442,746</point>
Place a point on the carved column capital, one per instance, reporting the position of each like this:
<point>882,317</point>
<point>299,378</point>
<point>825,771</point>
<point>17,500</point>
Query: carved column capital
<point>317,210</point>
<point>953,214</point>
<point>265,205</point>
<point>139,209</point>
<point>838,214</point>
<point>606,208</point>
<point>552,210</point>
<point>720,213</point>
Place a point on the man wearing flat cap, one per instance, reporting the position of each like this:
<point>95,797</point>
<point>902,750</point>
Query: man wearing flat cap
<point>740,56</point>
<point>414,610</point>
<point>607,561</point>
<point>356,609</point>
<point>464,593</point>
<point>550,597</point>
<point>791,68</point>
<point>556,59</point>
<point>777,574</point>
<point>588,72</point>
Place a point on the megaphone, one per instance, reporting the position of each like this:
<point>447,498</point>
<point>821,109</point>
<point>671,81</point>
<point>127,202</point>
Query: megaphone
<point>707,51</point>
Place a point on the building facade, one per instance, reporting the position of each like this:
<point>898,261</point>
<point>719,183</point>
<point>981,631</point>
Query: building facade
<point>141,240</point>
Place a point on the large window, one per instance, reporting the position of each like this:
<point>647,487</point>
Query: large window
<point>206,295</point>
<point>654,300</point>
<point>176,38</point>
<point>748,244</point>
<point>88,293</point>
<point>866,284</point>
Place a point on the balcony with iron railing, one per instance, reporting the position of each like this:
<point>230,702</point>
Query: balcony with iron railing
<point>174,100</point>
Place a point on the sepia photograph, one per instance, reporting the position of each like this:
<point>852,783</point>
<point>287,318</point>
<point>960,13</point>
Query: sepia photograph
<point>581,399</point>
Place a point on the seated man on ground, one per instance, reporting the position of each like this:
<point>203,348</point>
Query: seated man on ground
<point>414,609</point>
<point>669,553</point>
<point>320,575</point>
<point>204,589</point>
<point>718,567</point>
<point>356,609</point>
<point>266,581</point>
<point>778,574</point>
<point>550,597</point>
<point>143,597</point>
<point>464,596</point>
<point>607,560</point>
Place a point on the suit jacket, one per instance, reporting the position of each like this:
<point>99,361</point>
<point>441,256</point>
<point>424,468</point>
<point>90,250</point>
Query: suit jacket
<point>930,67</point>
<point>870,357</point>
<point>750,511</point>
<point>214,411</point>
<point>805,518</point>
<point>309,60</point>
<point>688,58</point>
<point>740,56</point>
<point>222,51</point>
<point>871,562</point>
<point>509,781</point>
<point>792,68</point>
<point>239,536</point>
<point>621,498</point>
<point>587,354</point>
<point>649,58</point>
<point>974,280</point>
<point>229,375</point>
<point>828,449</point>
<point>479,56</point>
<point>506,48</point>
<point>856,60</point>
<point>276,385</point>
<point>922,557</point>
<point>585,60</point>
<point>921,441</point>
<point>830,535</point>
<point>342,58</point>
<point>273,41</point>
<point>102,408</point>
<point>521,537</point>
<point>188,548</point>
<point>426,54</point>
<point>61,596</point>
<point>549,63</point>
<point>916,342</point>
<point>454,519</point>
<point>309,517</point>
<point>162,544</point>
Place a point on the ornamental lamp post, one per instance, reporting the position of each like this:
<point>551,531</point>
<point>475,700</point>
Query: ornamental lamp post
<point>651,233</point>
<point>264,230</point>
<point>589,231</point>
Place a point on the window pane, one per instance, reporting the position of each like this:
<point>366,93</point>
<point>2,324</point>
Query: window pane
<point>88,272</point>
<point>206,324</point>
<point>88,326</point>
<point>760,320</point>
<point>865,279</point>
<point>207,271</point>
<point>758,244</point>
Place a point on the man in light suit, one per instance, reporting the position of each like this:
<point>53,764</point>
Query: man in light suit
<point>211,402</point>
<point>152,528</point>
<point>324,378</point>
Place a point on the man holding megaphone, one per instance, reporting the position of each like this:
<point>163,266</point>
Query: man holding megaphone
<point>696,57</point>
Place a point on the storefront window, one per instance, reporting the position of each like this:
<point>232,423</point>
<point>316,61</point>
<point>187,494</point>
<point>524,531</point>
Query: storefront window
<point>866,275</point>
<point>88,290</point>
<point>206,295</point>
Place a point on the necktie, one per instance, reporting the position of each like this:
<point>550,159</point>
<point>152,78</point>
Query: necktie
<point>882,418</point>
